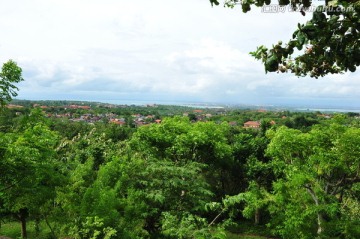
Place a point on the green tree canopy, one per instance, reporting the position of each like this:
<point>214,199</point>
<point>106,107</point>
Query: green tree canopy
<point>9,75</point>
<point>326,44</point>
<point>29,172</point>
<point>318,178</point>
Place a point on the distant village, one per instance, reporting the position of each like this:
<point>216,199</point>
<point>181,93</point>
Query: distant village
<point>87,114</point>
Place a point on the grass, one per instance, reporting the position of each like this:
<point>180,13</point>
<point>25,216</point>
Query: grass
<point>10,229</point>
<point>244,230</point>
<point>247,230</point>
<point>13,229</point>
<point>243,236</point>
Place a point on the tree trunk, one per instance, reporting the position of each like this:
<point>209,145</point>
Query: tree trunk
<point>23,213</point>
<point>51,229</point>
<point>257,216</point>
<point>319,222</point>
<point>320,217</point>
<point>37,226</point>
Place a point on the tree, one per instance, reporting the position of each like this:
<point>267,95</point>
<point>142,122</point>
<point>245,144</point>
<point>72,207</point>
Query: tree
<point>84,207</point>
<point>125,193</point>
<point>330,39</point>
<point>317,185</point>
<point>180,140</point>
<point>29,172</point>
<point>10,74</point>
<point>315,188</point>
<point>249,151</point>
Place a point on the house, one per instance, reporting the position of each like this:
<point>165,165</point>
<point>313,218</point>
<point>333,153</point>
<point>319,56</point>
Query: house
<point>118,121</point>
<point>139,123</point>
<point>84,107</point>
<point>233,123</point>
<point>198,111</point>
<point>11,106</point>
<point>252,124</point>
<point>325,116</point>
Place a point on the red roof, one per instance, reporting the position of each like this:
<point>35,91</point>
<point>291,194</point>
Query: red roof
<point>11,106</point>
<point>252,124</point>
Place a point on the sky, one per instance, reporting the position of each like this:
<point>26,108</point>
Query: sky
<point>157,51</point>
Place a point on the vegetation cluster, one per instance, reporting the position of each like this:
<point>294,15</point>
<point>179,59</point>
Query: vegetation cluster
<point>101,172</point>
<point>196,173</point>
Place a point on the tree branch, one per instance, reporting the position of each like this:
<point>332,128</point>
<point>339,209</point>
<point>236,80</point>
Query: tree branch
<point>213,221</point>
<point>312,194</point>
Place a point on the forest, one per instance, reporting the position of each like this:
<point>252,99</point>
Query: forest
<point>73,170</point>
<point>183,173</point>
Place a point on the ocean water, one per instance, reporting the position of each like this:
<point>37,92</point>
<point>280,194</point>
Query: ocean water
<point>159,102</point>
<point>330,110</point>
<point>219,105</point>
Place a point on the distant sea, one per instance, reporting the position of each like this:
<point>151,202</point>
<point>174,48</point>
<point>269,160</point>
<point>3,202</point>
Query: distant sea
<point>330,110</point>
<point>157,102</point>
<point>214,105</point>
<point>225,105</point>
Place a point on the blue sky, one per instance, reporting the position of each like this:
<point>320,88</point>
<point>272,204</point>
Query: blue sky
<point>173,50</point>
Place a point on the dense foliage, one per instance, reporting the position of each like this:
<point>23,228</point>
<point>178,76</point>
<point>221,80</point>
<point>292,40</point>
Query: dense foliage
<point>9,75</point>
<point>329,41</point>
<point>181,178</point>
<point>102,171</point>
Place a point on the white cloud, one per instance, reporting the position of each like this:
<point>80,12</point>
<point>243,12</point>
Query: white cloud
<point>213,56</point>
<point>184,50</point>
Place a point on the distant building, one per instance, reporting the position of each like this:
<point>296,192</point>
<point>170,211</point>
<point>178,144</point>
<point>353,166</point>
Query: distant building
<point>118,121</point>
<point>325,116</point>
<point>252,124</point>
<point>11,106</point>
<point>84,107</point>
<point>233,123</point>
